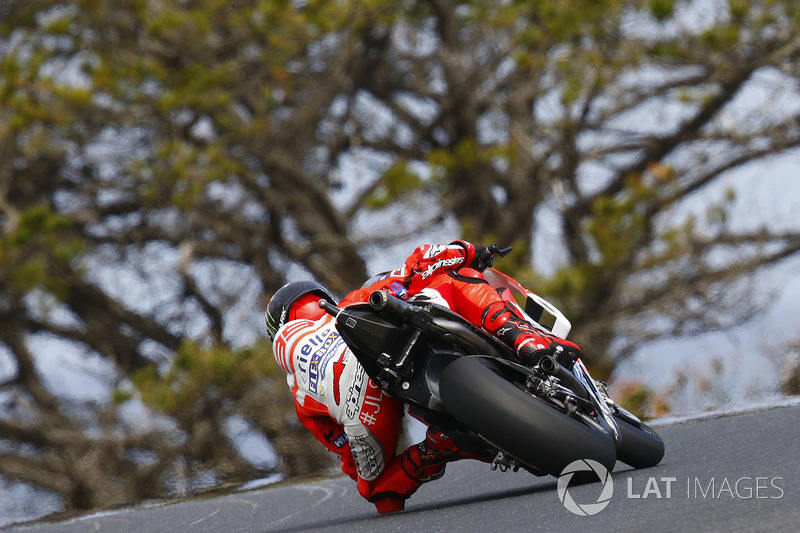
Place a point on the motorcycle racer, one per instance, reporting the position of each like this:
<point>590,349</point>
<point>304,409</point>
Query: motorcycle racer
<point>344,409</point>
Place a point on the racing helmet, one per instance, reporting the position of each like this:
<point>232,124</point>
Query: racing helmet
<point>279,306</point>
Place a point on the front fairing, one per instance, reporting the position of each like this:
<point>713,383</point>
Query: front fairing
<point>537,310</point>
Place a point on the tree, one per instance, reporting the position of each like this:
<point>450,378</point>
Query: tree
<point>605,119</point>
<point>160,172</point>
<point>166,166</point>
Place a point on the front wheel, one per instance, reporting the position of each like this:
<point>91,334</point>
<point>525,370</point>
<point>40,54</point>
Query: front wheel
<point>518,423</point>
<point>641,446</point>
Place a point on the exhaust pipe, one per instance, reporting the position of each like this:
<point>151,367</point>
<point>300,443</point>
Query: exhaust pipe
<point>548,365</point>
<point>378,300</point>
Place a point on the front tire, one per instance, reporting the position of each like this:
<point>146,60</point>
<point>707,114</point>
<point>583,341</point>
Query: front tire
<point>517,422</point>
<point>641,446</point>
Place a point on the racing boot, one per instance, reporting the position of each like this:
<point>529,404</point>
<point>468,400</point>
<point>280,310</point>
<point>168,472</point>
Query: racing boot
<point>438,447</point>
<point>529,343</point>
<point>531,350</point>
<point>418,464</point>
<point>425,461</point>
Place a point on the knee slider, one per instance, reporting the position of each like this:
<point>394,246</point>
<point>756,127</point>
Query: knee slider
<point>495,316</point>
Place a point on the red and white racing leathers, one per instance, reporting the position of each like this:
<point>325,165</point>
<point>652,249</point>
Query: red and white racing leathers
<point>335,399</point>
<point>345,409</point>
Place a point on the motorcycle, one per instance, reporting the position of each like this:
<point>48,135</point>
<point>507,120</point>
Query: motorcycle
<point>462,380</point>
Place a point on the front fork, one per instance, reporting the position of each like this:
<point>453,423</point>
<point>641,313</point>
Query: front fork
<point>606,416</point>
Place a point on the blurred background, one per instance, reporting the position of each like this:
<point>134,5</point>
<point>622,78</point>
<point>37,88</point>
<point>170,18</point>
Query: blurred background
<point>166,165</point>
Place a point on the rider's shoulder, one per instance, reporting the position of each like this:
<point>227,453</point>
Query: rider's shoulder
<point>296,327</point>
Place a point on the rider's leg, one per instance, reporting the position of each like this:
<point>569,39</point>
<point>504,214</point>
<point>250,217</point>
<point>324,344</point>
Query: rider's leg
<point>471,296</point>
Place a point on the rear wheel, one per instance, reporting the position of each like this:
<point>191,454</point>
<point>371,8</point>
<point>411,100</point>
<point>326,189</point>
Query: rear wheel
<point>517,422</point>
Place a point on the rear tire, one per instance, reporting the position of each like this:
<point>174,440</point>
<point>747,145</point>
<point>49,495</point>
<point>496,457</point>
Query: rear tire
<point>518,423</point>
<point>641,447</point>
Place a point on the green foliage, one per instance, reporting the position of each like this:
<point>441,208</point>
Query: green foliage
<point>38,250</point>
<point>466,155</point>
<point>199,375</point>
<point>661,9</point>
<point>619,222</point>
<point>721,38</point>
<point>565,21</point>
<point>615,231</point>
<point>739,9</point>
<point>397,180</point>
<point>641,400</point>
<point>120,396</point>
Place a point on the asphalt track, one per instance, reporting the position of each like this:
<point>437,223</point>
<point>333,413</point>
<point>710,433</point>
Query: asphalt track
<point>728,472</point>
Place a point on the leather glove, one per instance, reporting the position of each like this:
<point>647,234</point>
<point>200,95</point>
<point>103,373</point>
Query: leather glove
<point>483,259</point>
